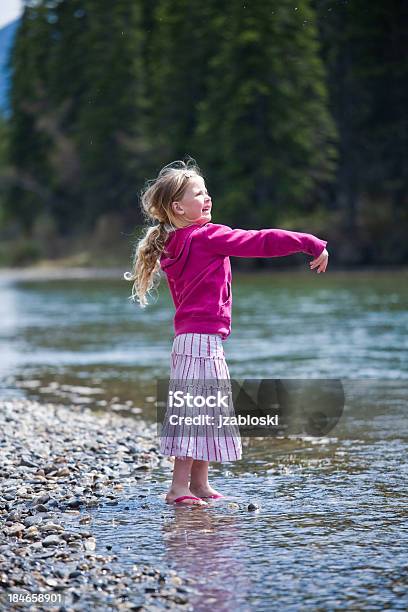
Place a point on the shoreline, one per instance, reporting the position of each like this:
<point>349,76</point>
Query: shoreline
<point>60,272</point>
<point>57,462</point>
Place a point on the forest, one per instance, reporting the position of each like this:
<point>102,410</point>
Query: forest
<point>295,111</point>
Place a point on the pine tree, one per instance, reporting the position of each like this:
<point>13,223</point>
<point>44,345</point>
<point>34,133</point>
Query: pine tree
<point>182,42</point>
<point>264,128</point>
<point>364,49</point>
<point>28,192</point>
<point>78,96</point>
<point>110,123</point>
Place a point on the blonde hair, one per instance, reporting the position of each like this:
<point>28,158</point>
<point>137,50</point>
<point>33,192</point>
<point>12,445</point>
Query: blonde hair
<point>156,200</point>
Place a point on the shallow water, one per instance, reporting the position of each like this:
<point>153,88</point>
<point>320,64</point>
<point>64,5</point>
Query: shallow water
<point>331,529</point>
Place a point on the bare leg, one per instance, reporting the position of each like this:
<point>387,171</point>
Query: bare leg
<point>179,486</point>
<point>199,484</point>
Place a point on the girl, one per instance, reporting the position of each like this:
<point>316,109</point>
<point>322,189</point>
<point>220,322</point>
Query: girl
<point>194,254</point>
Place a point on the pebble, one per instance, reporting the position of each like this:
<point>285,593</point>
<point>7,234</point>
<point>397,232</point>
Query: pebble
<point>51,527</point>
<point>32,520</point>
<point>52,540</point>
<point>252,507</point>
<point>56,462</point>
<point>14,529</point>
<point>31,532</point>
<point>233,506</point>
<point>90,544</point>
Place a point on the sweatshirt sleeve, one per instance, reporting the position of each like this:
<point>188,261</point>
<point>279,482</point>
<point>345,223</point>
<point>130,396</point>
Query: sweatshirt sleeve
<point>224,240</point>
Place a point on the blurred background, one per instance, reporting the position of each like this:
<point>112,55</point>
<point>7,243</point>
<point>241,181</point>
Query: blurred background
<point>295,112</point>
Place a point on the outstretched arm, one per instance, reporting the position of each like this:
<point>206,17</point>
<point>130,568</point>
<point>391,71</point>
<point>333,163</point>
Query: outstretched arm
<point>224,240</point>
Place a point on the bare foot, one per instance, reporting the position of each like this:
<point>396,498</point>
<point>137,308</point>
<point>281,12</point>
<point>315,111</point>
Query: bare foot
<point>204,491</point>
<point>175,493</point>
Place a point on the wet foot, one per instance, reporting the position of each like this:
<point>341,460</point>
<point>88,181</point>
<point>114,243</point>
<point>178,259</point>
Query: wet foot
<point>205,491</point>
<point>174,494</point>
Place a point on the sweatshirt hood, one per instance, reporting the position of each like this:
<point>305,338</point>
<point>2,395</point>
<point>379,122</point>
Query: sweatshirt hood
<point>176,249</point>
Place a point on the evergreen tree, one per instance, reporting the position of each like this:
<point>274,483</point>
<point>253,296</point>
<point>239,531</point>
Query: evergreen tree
<point>364,49</point>
<point>182,43</point>
<point>111,115</point>
<point>77,101</point>
<point>29,173</point>
<point>263,128</point>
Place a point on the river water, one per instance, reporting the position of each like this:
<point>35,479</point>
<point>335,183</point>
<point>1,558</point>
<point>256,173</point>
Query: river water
<point>331,529</point>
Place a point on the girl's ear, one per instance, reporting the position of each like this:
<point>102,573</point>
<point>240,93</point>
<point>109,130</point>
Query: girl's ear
<point>176,207</point>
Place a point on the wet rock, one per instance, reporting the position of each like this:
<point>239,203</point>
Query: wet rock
<point>252,507</point>
<point>51,527</point>
<point>93,503</point>
<point>233,506</point>
<point>46,555</point>
<point>90,544</point>
<point>42,516</point>
<point>74,502</point>
<point>75,574</point>
<point>52,540</point>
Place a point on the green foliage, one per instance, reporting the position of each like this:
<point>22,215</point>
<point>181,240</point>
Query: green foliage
<point>20,252</point>
<point>266,108</point>
<point>76,128</point>
<point>294,111</point>
<point>364,49</point>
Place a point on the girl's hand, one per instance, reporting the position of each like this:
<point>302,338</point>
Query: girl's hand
<point>320,261</point>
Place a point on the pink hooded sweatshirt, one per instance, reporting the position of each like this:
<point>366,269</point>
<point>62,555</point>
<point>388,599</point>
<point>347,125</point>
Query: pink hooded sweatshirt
<point>198,270</point>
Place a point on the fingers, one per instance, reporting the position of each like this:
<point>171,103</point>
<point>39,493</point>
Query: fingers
<point>315,263</point>
<point>323,266</point>
<point>320,262</point>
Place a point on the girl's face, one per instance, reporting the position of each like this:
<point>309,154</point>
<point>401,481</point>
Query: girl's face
<point>195,205</point>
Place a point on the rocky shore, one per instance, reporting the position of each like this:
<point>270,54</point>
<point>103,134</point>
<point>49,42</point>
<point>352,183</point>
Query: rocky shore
<point>58,462</point>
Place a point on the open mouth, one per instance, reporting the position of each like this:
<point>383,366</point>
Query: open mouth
<point>206,209</point>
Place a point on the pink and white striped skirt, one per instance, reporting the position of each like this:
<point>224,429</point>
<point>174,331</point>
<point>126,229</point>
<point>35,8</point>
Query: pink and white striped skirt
<point>198,367</point>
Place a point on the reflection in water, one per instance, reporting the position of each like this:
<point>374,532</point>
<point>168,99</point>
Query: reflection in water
<point>200,543</point>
